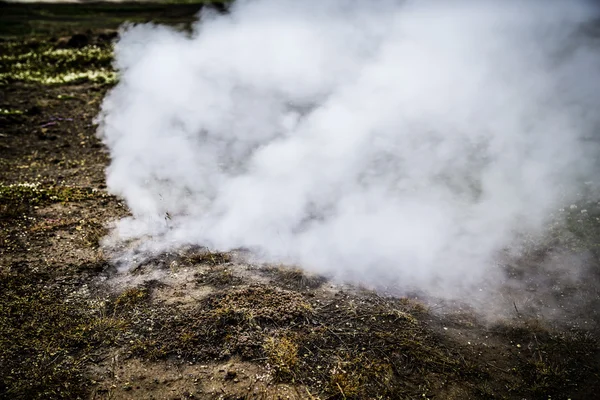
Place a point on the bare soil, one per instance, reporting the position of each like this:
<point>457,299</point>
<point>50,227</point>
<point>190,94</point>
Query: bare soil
<point>209,325</point>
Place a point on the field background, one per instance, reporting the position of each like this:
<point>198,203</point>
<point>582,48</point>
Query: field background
<point>209,325</point>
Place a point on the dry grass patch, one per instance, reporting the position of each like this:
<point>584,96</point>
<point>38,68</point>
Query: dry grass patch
<point>282,354</point>
<point>206,257</point>
<point>46,340</point>
<point>294,278</point>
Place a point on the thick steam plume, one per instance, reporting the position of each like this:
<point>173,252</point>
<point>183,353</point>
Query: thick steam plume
<point>376,141</point>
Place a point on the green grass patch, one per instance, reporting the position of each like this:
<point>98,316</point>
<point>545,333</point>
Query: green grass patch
<point>42,63</point>
<point>5,111</point>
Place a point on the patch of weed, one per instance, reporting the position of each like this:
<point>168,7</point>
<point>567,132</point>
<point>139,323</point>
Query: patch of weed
<point>356,377</point>
<point>218,277</point>
<point>554,364</point>
<point>5,111</point>
<point>550,363</point>
<point>130,298</point>
<point>294,278</point>
<point>94,232</point>
<point>208,257</point>
<point>361,346</point>
<point>45,340</point>
<point>18,199</point>
<point>49,65</point>
<point>282,353</point>
<point>224,324</point>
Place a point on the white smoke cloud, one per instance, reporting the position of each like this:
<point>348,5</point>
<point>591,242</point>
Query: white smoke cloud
<point>380,142</point>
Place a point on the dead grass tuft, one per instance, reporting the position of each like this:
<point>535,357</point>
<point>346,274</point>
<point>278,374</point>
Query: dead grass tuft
<point>224,324</point>
<point>17,199</point>
<point>207,257</point>
<point>93,232</point>
<point>46,340</point>
<point>218,277</point>
<point>282,354</point>
<point>354,376</point>
<point>294,278</point>
<point>130,298</point>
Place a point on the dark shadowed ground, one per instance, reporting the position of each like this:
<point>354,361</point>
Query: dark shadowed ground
<point>208,325</point>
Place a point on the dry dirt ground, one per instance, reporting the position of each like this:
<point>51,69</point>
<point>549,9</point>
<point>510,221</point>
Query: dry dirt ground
<point>208,325</point>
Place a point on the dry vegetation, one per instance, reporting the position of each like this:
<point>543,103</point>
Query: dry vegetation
<point>71,326</point>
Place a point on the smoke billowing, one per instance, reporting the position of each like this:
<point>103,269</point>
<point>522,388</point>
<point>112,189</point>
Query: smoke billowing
<point>384,142</point>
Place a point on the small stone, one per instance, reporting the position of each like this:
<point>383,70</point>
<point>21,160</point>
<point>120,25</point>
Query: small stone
<point>230,374</point>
